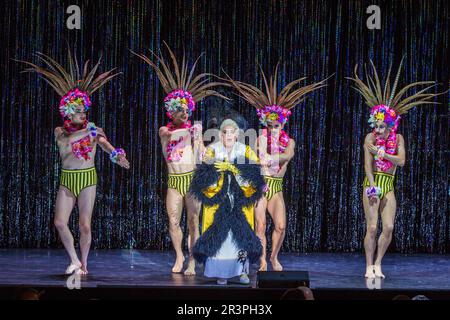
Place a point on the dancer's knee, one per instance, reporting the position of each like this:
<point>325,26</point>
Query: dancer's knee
<point>85,228</point>
<point>59,224</point>
<point>174,224</point>
<point>260,227</point>
<point>372,231</point>
<point>192,222</point>
<point>388,229</point>
<point>280,228</point>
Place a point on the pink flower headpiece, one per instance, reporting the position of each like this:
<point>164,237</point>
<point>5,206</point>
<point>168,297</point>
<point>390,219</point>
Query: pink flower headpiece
<point>173,102</point>
<point>72,99</point>
<point>273,113</point>
<point>385,114</point>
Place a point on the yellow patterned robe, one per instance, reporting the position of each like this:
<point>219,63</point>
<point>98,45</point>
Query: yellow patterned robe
<point>213,153</point>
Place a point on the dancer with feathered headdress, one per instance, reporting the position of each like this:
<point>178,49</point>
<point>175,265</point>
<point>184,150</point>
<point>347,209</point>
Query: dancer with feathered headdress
<point>77,141</point>
<point>182,144</point>
<point>275,150</point>
<point>384,150</point>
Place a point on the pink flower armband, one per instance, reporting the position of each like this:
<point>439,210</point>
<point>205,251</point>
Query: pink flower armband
<point>114,155</point>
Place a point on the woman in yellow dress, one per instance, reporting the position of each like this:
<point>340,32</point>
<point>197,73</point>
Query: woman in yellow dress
<point>228,183</point>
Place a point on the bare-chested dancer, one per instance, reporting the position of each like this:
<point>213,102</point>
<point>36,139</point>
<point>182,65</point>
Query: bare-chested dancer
<point>384,151</point>
<point>77,142</point>
<point>275,150</point>
<point>182,147</point>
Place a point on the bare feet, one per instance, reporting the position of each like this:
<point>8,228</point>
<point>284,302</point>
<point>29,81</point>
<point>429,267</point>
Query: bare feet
<point>84,269</point>
<point>369,272</point>
<point>263,265</point>
<point>73,267</point>
<point>190,270</point>
<point>276,265</point>
<point>81,272</point>
<point>377,270</point>
<point>178,266</point>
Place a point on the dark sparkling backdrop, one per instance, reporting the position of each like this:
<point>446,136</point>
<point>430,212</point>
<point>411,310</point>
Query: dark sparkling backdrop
<point>312,38</point>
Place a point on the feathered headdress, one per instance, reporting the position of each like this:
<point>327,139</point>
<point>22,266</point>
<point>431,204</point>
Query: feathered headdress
<point>385,104</point>
<point>73,87</point>
<point>272,105</point>
<point>180,85</point>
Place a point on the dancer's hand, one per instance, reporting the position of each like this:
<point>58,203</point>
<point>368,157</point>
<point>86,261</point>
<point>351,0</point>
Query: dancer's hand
<point>266,160</point>
<point>197,131</point>
<point>221,166</point>
<point>165,132</point>
<point>263,141</point>
<point>123,162</point>
<point>372,149</point>
<point>208,156</point>
<point>58,132</point>
<point>373,200</point>
<point>226,166</point>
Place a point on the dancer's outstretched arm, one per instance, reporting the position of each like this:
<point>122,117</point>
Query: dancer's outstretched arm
<point>108,148</point>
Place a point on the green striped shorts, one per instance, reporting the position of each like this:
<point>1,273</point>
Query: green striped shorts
<point>180,181</point>
<point>274,184</point>
<point>384,181</point>
<point>78,179</point>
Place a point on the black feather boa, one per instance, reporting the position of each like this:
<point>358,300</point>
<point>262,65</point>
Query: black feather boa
<point>227,218</point>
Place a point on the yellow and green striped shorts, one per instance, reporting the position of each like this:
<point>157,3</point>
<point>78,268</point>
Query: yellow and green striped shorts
<point>180,181</point>
<point>384,181</point>
<point>274,184</point>
<point>78,179</point>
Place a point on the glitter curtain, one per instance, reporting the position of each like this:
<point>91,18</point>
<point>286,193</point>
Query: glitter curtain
<point>311,38</point>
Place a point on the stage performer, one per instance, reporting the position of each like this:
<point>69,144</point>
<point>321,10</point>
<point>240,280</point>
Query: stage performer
<point>182,146</point>
<point>275,149</point>
<point>384,151</point>
<point>77,143</point>
<point>228,183</point>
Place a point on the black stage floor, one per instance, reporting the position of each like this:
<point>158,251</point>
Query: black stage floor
<point>146,274</point>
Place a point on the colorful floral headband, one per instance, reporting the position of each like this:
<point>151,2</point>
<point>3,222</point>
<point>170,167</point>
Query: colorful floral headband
<point>173,102</point>
<point>72,99</point>
<point>273,113</point>
<point>385,114</point>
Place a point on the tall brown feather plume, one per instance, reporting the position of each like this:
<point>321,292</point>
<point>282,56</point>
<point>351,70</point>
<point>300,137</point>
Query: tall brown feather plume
<point>176,78</point>
<point>287,98</point>
<point>63,81</point>
<point>373,95</point>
